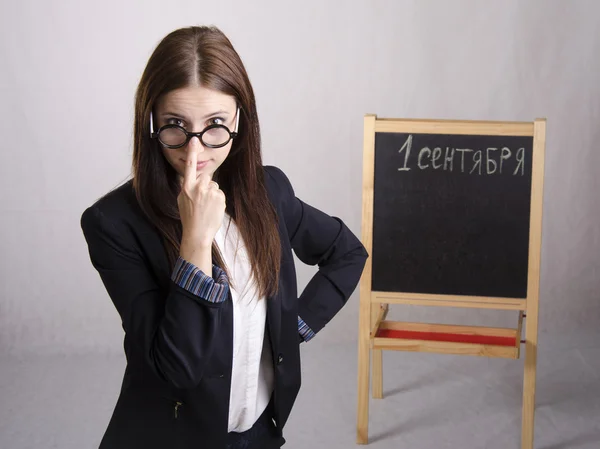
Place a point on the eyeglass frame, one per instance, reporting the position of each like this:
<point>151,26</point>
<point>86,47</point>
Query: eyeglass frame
<point>189,135</point>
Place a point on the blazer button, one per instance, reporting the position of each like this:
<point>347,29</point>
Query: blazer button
<point>280,359</point>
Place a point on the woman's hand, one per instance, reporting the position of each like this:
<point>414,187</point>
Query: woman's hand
<point>201,207</point>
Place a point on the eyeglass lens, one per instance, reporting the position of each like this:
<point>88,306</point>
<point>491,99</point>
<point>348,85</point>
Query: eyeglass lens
<point>176,136</point>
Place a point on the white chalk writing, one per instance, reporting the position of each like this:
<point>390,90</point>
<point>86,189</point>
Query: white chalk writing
<point>488,161</point>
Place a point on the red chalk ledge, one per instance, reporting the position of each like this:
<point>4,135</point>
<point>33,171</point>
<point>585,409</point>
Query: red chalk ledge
<point>450,339</point>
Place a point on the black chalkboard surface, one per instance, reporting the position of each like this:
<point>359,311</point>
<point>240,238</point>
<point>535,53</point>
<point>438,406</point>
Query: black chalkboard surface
<point>451,214</point>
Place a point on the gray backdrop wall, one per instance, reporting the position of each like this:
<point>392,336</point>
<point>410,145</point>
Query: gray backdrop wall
<point>68,73</point>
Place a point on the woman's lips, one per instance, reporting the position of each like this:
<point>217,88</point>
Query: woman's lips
<point>199,164</point>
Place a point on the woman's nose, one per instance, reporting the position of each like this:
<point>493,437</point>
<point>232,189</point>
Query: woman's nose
<point>196,143</point>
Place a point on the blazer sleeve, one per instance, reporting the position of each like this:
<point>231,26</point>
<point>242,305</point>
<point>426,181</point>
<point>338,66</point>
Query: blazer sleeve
<point>323,240</point>
<point>176,331</point>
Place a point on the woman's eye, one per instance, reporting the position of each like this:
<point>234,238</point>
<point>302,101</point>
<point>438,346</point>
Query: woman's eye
<point>174,121</point>
<point>216,121</point>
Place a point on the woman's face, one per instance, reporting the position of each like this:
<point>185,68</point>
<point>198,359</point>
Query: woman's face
<point>195,108</point>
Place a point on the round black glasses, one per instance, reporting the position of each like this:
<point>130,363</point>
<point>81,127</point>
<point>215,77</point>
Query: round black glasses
<point>213,136</point>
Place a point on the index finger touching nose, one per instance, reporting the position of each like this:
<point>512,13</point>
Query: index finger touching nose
<point>190,164</point>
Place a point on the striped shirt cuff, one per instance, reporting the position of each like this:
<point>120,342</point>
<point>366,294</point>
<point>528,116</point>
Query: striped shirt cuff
<point>305,332</point>
<point>193,279</point>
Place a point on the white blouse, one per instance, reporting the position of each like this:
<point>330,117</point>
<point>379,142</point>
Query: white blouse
<point>252,377</point>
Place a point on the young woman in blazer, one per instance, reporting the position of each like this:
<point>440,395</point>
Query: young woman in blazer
<point>195,252</point>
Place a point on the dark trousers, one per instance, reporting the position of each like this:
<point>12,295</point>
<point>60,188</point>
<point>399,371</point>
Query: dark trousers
<point>262,435</point>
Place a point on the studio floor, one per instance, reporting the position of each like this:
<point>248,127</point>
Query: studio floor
<point>430,401</point>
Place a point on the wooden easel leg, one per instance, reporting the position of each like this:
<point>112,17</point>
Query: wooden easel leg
<point>377,381</point>
<point>533,286</point>
<point>362,427</point>
<point>362,423</point>
<point>378,313</point>
<point>529,382</point>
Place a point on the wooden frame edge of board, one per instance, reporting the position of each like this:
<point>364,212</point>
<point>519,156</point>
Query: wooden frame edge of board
<point>536,213</point>
<point>383,297</point>
<point>445,126</point>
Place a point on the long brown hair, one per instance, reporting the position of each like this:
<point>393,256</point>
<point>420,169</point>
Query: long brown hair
<point>194,56</point>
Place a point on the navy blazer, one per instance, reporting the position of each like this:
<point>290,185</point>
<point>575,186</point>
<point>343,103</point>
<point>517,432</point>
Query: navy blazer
<point>179,346</point>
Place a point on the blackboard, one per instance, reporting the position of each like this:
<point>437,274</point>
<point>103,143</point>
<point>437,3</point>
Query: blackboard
<point>451,214</point>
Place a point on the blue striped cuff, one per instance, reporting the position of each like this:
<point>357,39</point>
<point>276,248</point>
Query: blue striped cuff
<point>193,279</point>
<point>305,332</point>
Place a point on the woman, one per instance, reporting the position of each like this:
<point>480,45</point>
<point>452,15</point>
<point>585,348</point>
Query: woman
<point>195,252</point>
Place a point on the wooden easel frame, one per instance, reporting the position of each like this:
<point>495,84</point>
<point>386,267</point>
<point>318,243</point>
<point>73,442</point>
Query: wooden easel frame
<point>374,305</point>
